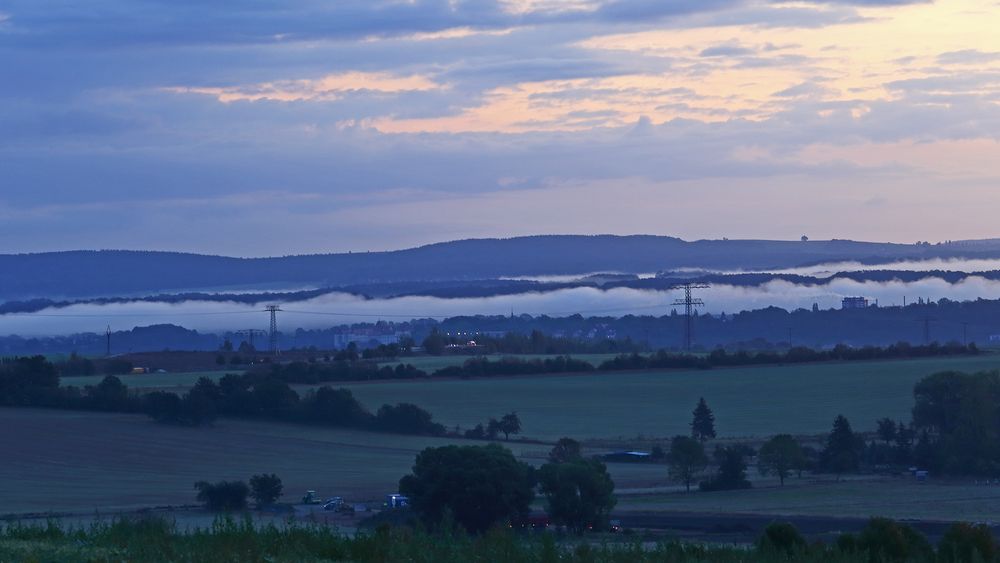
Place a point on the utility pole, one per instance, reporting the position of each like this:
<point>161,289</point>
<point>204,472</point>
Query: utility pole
<point>927,328</point>
<point>107,351</point>
<point>273,309</point>
<point>689,304</point>
<point>250,333</point>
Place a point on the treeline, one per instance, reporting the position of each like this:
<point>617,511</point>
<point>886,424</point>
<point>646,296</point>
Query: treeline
<point>535,342</point>
<point>34,382</point>
<point>338,370</point>
<point>721,358</point>
<point>954,430</point>
<point>256,396</point>
<point>481,367</point>
<point>363,370</point>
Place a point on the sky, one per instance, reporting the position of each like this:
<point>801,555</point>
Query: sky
<point>273,127</point>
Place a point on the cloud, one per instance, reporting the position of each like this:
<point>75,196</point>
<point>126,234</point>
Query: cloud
<point>328,88</point>
<point>967,57</point>
<point>726,51</point>
<point>804,89</point>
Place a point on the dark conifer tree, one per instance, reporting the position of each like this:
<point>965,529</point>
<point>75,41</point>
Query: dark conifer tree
<point>703,423</point>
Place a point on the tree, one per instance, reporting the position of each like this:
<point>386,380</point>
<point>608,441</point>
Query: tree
<point>407,418</point>
<point>197,408</point>
<point>580,493</point>
<point>224,495</point>
<point>886,430</point>
<point>479,486</point>
<point>492,428</point>
<point>336,407</point>
<point>510,424</point>
<point>434,343</point>
<point>566,450</point>
<point>732,472</point>
<point>108,395</point>
<point>162,406</point>
<point>703,423</point>
<point>843,448</point>
<point>687,460</point>
<point>780,455</point>
<point>265,489</point>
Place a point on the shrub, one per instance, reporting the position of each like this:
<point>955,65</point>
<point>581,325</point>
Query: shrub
<point>967,543</point>
<point>265,489</point>
<point>224,495</point>
<point>781,537</point>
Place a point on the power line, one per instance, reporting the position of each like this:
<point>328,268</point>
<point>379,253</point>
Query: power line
<point>250,333</point>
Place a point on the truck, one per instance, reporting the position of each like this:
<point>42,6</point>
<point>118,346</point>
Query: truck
<point>311,498</point>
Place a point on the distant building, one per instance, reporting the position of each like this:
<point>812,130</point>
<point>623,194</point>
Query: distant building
<point>854,303</point>
<point>367,337</point>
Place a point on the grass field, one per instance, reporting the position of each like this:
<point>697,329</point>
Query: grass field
<point>87,463</point>
<point>751,401</point>
<point>77,461</point>
<point>892,497</point>
<point>755,401</point>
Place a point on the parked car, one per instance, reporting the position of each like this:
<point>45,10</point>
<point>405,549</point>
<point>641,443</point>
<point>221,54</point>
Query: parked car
<point>396,500</point>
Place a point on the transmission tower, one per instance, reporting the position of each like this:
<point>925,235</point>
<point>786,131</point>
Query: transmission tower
<point>689,304</point>
<point>108,349</point>
<point>273,309</point>
<point>250,333</point>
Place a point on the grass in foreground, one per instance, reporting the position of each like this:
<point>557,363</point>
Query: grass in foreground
<point>241,541</point>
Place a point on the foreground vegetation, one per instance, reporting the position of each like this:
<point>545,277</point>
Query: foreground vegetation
<point>153,539</point>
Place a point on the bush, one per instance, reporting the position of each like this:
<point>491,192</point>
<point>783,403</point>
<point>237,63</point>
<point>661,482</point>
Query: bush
<point>406,418</point>
<point>265,489</point>
<point>781,537</point>
<point>224,495</point>
<point>967,543</point>
<point>886,540</point>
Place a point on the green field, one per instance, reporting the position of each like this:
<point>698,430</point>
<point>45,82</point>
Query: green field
<point>891,497</point>
<point>753,401</point>
<point>90,463</point>
<point>69,461</point>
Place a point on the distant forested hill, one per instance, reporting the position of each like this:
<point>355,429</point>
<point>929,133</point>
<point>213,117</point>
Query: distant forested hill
<point>116,272</point>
